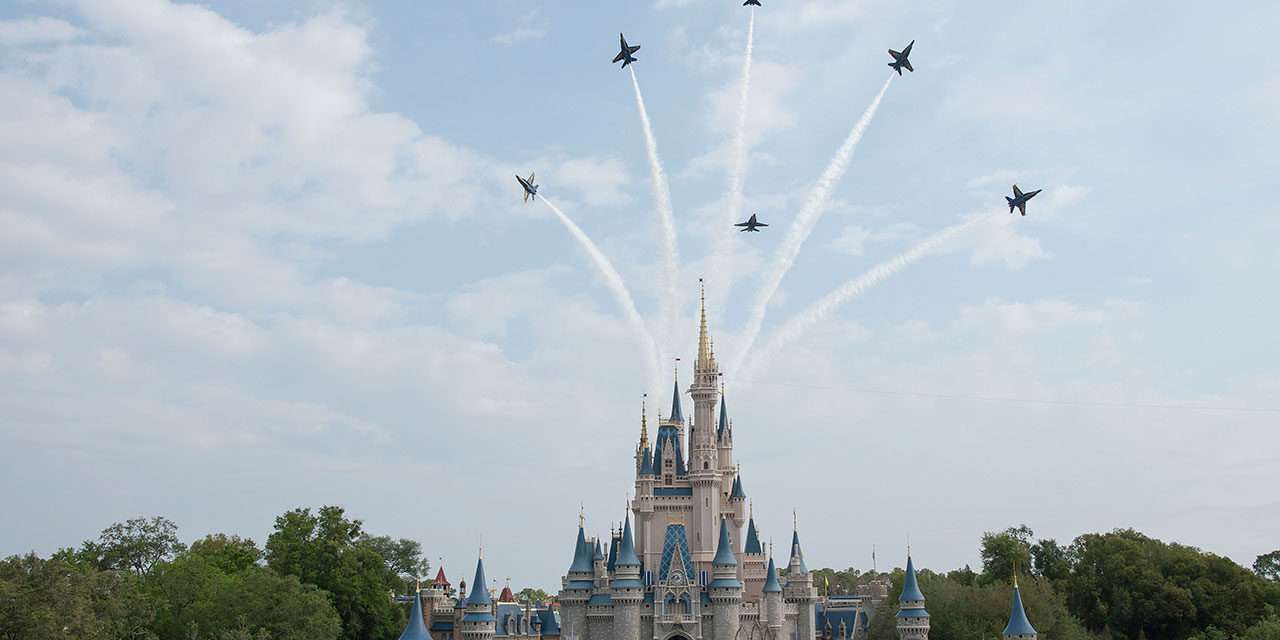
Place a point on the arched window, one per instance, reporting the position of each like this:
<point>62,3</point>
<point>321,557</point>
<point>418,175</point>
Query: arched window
<point>686,606</point>
<point>669,604</point>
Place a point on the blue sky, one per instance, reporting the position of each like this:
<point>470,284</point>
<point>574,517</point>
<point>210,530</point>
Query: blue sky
<point>264,255</point>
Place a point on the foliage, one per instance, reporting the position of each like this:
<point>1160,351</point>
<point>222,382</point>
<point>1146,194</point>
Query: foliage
<point>1267,566</point>
<point>529,594</point>
<point>1132,585</point>
<point>230,554</point>
<point>45,599</point>
<point>1002,552</point>
<point>326,549</point>
<point>135,545</point>
<point>403,558</point>
<point>1050,560</point>
<point>197,596</point>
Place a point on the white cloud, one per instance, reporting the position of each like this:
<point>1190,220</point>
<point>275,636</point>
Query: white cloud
<point>40,30</point>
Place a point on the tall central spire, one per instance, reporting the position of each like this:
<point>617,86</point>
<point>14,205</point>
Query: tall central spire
<point>644,424</point>
<point>706,356</point>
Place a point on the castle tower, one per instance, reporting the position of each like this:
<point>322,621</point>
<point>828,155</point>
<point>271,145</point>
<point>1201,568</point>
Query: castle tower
<point>628,589</point>
<point>704,459</point>
<point>772,596</point>
<point>1019,628</point>
<point>913,620</point>
<point>724,434</point>
<point>800,592</point>
<point>599,605</point>
<point>753,561</point>
<point>478,622</point>
<point>416,629</point>
<point>725,589</point>
<point>576,588</point>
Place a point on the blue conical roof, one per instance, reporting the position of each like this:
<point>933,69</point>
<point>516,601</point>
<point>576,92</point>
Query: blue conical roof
<point>910,590</point>
<point>627,554</point>
<point>724,550</point>
<point>599,554</point>
<point>479,594</point>
<point>646,462</point>
<point>613,555</point>
<point>1018,623</point>
<point>416,629</point>
<point>753,539</point>
<point>771,584</point>
<point>581,555</point>
<point>724,419</point>
<point>795,550</point>
<point>676,413</point>
<point>737,489</point>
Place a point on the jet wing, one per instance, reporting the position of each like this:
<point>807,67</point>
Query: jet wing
<point>906,64</point>
<point>1022,208</point>
<point>907,51</point>
<point>619,56</point>
<point>1017,193</point>
<point>531,175</point>
<point>761,224</point>
<point>896,54</point>
<point>742,224</point>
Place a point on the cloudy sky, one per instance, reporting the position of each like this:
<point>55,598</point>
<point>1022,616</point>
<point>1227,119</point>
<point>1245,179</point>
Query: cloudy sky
<point>263,255</point>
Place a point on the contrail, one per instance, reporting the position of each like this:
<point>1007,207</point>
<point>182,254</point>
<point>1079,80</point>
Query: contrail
<point>737,175</point>
<point>661,198</point>
<point>618,288</point>
<point>802,322</point>
<point>814,206</point>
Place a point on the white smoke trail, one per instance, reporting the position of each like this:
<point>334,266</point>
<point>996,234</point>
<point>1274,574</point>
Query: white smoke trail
<point>802,322</point>
<point>738,172</point>
<point>661,198</point>
<point>618,288</point>
<point>814,206</point>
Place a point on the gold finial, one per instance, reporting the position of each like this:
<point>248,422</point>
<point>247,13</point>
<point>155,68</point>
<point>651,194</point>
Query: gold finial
<point>706,357</point>
<point>644,423</point>
<point>482,547</point>
<point>582,517</point>
<point>417,585</point>
<point>1015,574</point>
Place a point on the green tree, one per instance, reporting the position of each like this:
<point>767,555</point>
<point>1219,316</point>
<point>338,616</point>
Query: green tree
<point>532,595</point>
<point>1266,629</point>
<point>230,554</point>
<point>1267,566</point>
<point>47,599</point>
<point>403,557</point>
<point>1002,551</point>
<point>1050,560</point>
<point>325,549</point>
<point>196,596</point>
<point>136,545</point>
<point>1134,585</point>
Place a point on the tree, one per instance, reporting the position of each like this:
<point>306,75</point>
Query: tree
<point>1001,552</point>
<point>1267,566</point>
<point>196,597</point>
<point>531,595</point>
<point>403,557</point>
<point>1050,560</point>
<point>326,549</point>
<point>47,599</point>
<point>136,545</point>
<point>230,554</point>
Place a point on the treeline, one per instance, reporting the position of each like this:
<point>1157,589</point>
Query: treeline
<point>320,576</point>
<point>1120,585</point>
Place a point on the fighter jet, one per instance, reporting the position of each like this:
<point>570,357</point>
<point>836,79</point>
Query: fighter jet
<point>900,59</point>
<point>751,224</point>
<point>751,3</point>
<point>1020,199</point>
<point>625,54</point>
<point>530,189</point>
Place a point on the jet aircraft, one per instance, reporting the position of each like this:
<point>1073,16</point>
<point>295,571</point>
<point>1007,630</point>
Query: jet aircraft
<point>751,224</point>
<point>752,3</point>
<point>900,59</point>
<point>530,189</point>
<point>625,54</point>
<point>1019,199</point>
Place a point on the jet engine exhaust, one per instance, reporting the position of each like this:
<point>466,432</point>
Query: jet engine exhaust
<point>621,295</point>
<point>662,199</point>
<point>814,206</point>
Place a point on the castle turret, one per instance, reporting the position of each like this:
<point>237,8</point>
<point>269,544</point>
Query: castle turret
<point>417,628</point>
<point>576,588</point>
<point>1019,628</point>
<point>724,434</point>
<point>478,620</point>
<point>725,589</point>
<point>913,619</point>
<point>772,596</point>
<point>753,561</point>
<point>628,589</point>
<point>799,591</point>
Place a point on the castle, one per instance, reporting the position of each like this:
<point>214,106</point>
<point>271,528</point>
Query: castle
<point>684,571</point>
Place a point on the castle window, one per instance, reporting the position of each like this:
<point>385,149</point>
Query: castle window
<point>705,465</point>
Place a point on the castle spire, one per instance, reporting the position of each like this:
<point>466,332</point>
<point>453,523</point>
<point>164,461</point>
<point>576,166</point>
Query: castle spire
<point>706,357</point>
<point>677,415</point>
<point>1019,628</point>
<point>644,424</point>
